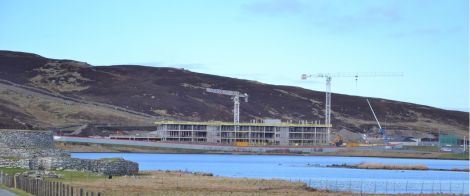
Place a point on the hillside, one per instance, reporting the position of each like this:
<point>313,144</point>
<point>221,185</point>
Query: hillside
<point>41,92</point>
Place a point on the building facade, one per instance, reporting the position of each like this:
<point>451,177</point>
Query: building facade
<point>244,134</point>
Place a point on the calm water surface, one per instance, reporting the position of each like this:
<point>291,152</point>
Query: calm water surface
<point>312,170</point>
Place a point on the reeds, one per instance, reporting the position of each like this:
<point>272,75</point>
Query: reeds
<point>391,166</point>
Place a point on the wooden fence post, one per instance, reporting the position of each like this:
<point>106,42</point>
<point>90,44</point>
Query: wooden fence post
<point>51,190</point>
<point>63,189</point>
<point>41,188</point>
<point>57,189</point>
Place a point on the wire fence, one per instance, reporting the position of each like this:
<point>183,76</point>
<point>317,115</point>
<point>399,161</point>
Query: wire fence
<point>392,187</point>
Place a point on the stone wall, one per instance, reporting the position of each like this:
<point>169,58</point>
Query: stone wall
<point>35,150</point>
<point>33,153</point>
<point>116,167</point>
<point>26,139</point>
<point>14,163</point>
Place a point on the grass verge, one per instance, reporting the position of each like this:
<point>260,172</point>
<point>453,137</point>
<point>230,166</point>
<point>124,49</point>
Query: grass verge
<point>86,147</point>
<point>76,176</point>
<point>460,156</point>
<point>12,171</point>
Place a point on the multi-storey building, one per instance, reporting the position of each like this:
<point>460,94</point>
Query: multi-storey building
<point>244,134</point>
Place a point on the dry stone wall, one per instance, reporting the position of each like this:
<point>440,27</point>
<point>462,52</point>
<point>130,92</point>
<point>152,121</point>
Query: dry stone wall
<point>113,166</point>
<point>14,163</point>
<point>35,150</point>
<point>26,139</point>
<point>32,153</point>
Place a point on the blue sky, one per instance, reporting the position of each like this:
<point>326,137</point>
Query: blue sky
<point>271,41</point>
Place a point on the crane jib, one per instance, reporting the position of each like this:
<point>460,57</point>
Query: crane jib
<point>225,92</point>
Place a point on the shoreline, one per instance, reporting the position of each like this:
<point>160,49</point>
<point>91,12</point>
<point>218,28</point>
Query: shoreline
<point>112,148</point>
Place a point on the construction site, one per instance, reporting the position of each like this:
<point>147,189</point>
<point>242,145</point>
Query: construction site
<point>266,132</point>
<point>270,132</point>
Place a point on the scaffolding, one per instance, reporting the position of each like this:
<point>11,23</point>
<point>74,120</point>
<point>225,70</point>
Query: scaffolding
<point>244,134</point>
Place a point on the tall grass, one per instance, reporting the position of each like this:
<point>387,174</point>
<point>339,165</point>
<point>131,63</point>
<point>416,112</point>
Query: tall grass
<point>390,166</point>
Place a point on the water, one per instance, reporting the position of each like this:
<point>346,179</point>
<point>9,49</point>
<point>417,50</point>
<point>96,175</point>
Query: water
<point>312,170</point>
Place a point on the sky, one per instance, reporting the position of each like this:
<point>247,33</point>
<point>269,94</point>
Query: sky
<point>270,41</point>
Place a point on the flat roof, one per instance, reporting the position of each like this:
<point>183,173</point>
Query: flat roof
<point>218,123</point>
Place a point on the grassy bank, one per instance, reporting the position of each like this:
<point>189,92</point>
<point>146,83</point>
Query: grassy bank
<point>184,183</point>
<point>175,183</point>
<point>172,183</point>
<point>180,183</point>
<point>88,147</point>
<point>85,147</point>
<point>397,154</point>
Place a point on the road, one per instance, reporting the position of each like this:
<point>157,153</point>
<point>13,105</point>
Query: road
<point>4,192</point>
<point>210,147</point>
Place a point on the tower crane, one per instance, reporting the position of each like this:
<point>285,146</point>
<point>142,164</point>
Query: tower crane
<point>381,130</point>
<point>236,101</point>
<point>329,76</point>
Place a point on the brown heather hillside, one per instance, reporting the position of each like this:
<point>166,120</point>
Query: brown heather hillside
<point>42,92</point>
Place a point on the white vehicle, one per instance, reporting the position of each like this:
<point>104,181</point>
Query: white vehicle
<point>446,149</point>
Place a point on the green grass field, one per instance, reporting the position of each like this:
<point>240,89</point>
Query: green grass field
<point>12,171</point>
<point>460,156</point>
<point>422,148</point>
<point>76,176</point>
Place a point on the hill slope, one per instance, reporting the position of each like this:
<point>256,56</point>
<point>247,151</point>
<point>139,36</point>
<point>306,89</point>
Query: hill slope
<point>141,94</point>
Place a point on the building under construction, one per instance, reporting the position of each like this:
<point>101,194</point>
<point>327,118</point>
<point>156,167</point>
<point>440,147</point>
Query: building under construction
<point>269,132</point>
<point>266,133</point>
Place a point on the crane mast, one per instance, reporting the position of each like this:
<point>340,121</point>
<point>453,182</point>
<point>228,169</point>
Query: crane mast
<point>328,77</point>
<point>236,101</point>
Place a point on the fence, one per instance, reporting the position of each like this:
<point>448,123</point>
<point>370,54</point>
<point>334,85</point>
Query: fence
<point>42,187</point>
<point>392,187</point>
